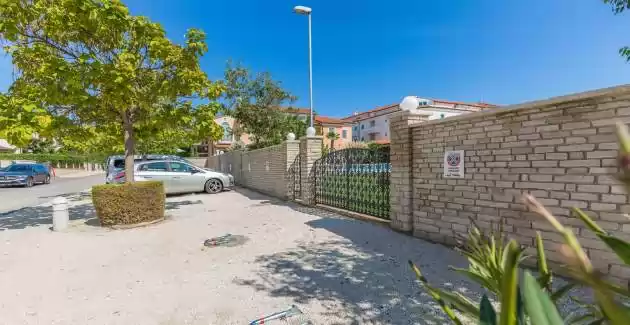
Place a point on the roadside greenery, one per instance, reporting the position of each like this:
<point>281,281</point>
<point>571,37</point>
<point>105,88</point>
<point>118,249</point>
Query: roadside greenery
<point>261,106</point>
<point>56,159</point>
<point>494,262</point>
<point>100,79</point>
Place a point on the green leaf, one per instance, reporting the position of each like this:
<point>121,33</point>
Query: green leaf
<point>619,246</point>
<point>509,285</point>
<point>435,295</point>
<point>588,221</point>
<point>487,315</point>
<point>545,275</point>
<point>539,306</point>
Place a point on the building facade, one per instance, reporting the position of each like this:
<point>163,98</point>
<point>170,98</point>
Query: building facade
<point>325,125</point>
<point>373,125</point>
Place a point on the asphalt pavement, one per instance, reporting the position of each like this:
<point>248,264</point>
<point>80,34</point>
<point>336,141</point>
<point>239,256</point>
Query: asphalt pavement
<point>14,198</point>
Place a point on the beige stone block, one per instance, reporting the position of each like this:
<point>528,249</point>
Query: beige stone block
<point>576,147</point>
<point>581,179</point>
<point>575,125</point>
<point>614,198</point>
<point>603,206</point>
<point>580,163</point>
<point>546,163</point>
<point>552,171</point>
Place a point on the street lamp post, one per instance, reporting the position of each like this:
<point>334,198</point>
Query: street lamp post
<point>302,10</point>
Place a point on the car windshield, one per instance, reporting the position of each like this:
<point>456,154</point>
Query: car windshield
<point>19,168</point>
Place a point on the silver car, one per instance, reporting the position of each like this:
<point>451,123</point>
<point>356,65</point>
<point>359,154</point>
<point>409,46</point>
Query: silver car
<point>179,176</point>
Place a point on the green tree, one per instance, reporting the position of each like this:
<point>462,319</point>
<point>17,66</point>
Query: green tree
<point>332,136</point>
<point>257,103</point>
<point>95,69</point>
<point>618,7</point>
<point>20,119</point>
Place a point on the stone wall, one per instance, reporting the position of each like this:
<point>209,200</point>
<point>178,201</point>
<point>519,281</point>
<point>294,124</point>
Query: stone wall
<point>267,170</point>
<point>562,150</point>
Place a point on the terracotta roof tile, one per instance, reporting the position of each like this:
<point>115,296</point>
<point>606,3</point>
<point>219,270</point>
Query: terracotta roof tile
<point>329,120</point>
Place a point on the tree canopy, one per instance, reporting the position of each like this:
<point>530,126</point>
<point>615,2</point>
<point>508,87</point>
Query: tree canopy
<point>261,106</point>
<point>100,74</point>
<point>618,7</point>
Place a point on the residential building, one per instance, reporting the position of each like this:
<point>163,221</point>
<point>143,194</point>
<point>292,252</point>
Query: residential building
<point>324,125</point>
<point>373,125</point>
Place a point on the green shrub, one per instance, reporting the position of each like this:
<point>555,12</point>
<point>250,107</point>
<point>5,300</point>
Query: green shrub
<point>129,203</point>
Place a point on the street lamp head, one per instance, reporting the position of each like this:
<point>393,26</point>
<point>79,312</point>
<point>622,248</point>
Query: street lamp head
<point>302,10</point>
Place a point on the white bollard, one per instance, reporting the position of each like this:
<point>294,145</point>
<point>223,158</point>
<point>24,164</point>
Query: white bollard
<point>60,214</point>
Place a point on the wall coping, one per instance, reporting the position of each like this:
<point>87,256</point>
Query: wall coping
<point>591,94</point>
<point>313,137</point>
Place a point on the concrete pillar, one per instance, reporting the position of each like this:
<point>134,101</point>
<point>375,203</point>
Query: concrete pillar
<point>291,149</point>
<point>60,213</point>
<point>310,151</point>
<point>401,191</point>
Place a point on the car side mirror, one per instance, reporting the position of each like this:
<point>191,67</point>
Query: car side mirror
<point>194,171</point>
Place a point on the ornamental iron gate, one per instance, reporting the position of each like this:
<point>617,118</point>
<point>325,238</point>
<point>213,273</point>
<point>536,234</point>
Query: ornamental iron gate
<point>295,179</point>
<point>354,179</point>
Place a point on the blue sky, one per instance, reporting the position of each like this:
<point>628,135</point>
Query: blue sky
<point>371,53</point>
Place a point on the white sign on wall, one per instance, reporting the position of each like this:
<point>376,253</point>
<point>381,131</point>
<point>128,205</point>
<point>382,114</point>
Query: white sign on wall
<point>454,164</point>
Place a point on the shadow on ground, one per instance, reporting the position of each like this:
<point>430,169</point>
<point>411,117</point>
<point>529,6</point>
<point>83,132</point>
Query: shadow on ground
<point>364,273</point>
<point>42,215</point>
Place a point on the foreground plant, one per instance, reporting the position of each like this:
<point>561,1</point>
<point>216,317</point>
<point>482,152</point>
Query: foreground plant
<point>494,264</point>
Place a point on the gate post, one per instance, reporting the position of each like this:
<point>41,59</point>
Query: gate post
<point>401,191</point>
<point>310,151</point>
<point>291,151</point>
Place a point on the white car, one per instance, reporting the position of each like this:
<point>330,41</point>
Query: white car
<point>179,177</point>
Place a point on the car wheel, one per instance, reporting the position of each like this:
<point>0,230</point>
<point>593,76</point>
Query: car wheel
<point>47,181</point>
<point>29,182</point>
<point>214,186</point>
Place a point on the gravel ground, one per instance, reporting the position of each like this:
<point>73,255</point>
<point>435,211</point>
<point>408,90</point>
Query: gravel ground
<point>336,270</point>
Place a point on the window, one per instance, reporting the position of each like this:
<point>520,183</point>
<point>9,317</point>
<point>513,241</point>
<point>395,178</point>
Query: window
<point>159,166</point>
<point>372,137</point>
<point>344,134</point>
<point>354,128</point>
<point>227,132</point>
<point>442,115</point>
<point>40,169</point>
<point>385,133</point>
<point>181,167</point>
<point>302,118</point>
<point>362,139</point>
<point>19,168</point>
<point>372,123</point>
<point>331,130</point>
<point>362,126</point>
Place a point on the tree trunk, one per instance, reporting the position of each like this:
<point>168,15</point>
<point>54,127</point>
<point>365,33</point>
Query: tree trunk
<point>129,147</point>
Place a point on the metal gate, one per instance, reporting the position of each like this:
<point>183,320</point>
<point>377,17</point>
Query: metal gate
<point>354,179</point>
<point>295,179</point>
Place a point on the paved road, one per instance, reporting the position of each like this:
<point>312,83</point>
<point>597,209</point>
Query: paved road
<point>13,198</point>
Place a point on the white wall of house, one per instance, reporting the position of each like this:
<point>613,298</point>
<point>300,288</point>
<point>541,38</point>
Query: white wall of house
<point>376,128</point>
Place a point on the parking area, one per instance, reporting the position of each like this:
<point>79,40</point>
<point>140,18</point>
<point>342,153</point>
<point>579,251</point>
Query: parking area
<point>336,270</point>
<point>13,198</point>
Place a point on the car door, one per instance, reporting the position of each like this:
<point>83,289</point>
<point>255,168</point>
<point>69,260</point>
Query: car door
<point>39,173</point>
<point>157,171</point>
<point>188,178</point>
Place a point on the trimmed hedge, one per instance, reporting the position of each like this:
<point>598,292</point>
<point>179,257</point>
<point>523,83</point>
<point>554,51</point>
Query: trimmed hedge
<point>55,158</point>
<point>129,203</point>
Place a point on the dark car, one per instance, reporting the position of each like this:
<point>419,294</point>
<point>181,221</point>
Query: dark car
<point>25,175</point>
